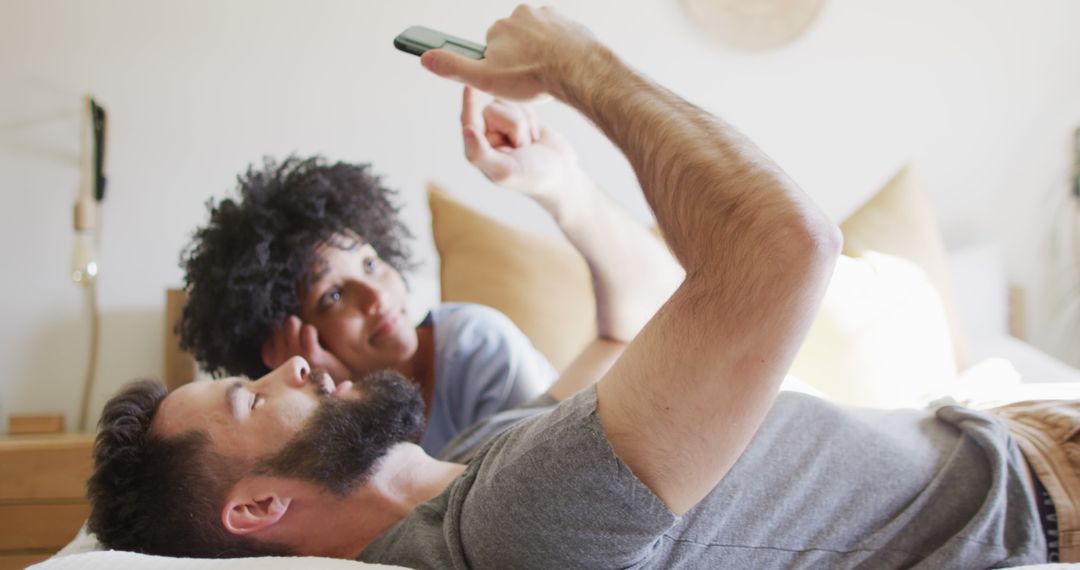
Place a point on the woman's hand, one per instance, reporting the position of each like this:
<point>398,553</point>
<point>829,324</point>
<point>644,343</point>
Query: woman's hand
<point>295,338</point>
<point>506,142</point>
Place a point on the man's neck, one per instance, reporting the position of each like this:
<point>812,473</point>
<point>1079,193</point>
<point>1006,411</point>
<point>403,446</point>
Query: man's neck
<point>408,476</point>
<point>344,527</point>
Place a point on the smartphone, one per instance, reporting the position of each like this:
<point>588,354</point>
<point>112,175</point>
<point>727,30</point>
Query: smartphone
<point>418,39</point>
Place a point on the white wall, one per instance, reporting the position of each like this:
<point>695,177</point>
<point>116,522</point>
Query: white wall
<point>982,94</point>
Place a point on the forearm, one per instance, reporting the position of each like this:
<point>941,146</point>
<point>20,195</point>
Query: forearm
<point>715,195</point>
<point>695,384</point>
<point>632,271</point>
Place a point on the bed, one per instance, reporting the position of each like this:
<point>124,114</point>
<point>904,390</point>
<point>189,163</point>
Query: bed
<point>898,326</point>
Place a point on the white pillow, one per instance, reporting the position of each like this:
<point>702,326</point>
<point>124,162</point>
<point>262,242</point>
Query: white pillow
<point>84,553</point>
<point>995,382</point>
<point>116,560</point>
<point>982,290</point>
<point>84,541</point>
<point>881,338</point>
<point>794,384</point>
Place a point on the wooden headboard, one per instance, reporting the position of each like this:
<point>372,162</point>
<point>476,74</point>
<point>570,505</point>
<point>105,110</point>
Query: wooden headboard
<point>179,365</point>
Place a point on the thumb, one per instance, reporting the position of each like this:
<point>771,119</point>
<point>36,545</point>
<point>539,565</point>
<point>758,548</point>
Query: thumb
<point>456,67</point>
<point>476,144</point>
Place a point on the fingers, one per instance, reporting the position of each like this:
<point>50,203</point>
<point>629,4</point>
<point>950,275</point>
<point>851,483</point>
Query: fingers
<point>320,357</point>
<point>269,355</point>
<point>478,139</point>
<point>534,121</point>
<point>309,343</point>
<point>294,338</point>
<point>291,337</point>
<point>456,67</point>
<point>472,127</point>
<point>478,150</point>
<point>470,110</point>
<point>476,146</point>
<point>510,122</point>
<point>282,343</point>
<point>314,352</point>
<point>501,122</point>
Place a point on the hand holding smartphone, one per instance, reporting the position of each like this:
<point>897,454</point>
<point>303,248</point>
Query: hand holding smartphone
<point>418,39</point>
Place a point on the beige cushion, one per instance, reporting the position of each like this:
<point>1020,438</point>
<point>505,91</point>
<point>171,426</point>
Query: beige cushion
<point>881,338</point>
<point>539,281</point>
<point>898,221</point>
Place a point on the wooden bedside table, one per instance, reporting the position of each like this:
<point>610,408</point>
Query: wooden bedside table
<point>42,494</point>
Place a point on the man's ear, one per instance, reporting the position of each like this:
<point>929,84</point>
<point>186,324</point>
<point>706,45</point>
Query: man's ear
<point>252,507</point>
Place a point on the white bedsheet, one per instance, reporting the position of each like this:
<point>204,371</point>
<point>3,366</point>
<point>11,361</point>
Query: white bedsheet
<point>1034,365</point>
<point>114,560</point>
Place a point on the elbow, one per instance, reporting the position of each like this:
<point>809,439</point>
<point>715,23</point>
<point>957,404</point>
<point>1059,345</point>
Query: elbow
<point>815,242</point>
<point>827,240</point>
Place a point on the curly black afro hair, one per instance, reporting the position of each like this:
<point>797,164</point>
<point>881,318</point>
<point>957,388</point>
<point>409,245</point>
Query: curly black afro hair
<point>243,269</point>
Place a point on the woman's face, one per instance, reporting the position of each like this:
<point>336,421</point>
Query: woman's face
<point>357,303</point>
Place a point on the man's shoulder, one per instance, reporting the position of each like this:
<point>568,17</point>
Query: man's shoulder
<point>559,468</point>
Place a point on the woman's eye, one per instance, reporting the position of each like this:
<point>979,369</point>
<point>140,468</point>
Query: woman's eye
<point>257,401</point>
<point>331,297</point>
<point>369,264</point>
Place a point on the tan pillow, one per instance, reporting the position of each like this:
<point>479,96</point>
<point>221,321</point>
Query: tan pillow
<point>880,338</point>
<point>898,221</point>
<point>540,282</point>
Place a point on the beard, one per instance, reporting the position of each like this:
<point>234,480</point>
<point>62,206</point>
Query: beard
<point>340,446</point>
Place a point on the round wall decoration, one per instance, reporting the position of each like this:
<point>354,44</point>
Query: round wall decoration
<point>753,25</point>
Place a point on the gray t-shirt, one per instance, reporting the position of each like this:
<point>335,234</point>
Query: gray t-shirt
<point>819,486</point>
<point>484,364</point>
<point>464,446</point>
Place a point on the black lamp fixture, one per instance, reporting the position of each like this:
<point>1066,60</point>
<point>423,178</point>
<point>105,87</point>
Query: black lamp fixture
<point>1076,163</point>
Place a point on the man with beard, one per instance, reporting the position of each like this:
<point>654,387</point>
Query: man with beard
<point>681,455</point>
<point>168,463</point>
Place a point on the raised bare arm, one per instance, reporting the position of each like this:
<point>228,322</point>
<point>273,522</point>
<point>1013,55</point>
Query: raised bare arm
<point>687,395</point>
<point>632,272</point>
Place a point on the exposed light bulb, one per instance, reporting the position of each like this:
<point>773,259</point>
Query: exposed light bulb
<point>84,267</point>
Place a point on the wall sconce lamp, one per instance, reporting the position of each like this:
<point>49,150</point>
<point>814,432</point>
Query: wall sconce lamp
<point>84,267</point>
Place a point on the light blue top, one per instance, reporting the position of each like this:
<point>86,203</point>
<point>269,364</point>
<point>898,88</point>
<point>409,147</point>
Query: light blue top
<point>484,364</point>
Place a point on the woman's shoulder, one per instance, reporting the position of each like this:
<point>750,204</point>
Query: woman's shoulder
<point>470,318</point>
<point>469,332</point>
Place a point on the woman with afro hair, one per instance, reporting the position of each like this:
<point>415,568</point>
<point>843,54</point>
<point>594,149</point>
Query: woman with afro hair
<point>308,260</point>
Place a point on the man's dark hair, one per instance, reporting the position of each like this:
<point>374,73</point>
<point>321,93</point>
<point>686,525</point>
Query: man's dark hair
<point>164,496</point>
<point>244,268</point>
<point>160,496</point>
